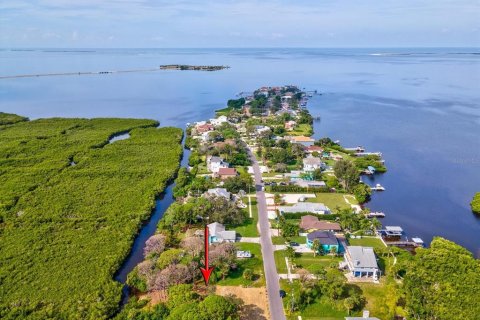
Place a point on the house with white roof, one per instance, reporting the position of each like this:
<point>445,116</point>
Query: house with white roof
<point>218,234</point>
<point>219,192</point>
<point>311,163</point>
<point>215,163</point>
<point>362,262</point>
<point>219,121</point>
<point>317,208</point>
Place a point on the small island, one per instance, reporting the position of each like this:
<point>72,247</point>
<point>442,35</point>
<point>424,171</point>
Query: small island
<point>475,204</point>
<point>190,67</point>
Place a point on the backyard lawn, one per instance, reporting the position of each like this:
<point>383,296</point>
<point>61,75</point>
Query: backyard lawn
<point>333,200</point>
<point>303,129</point>
<point>249,228</point>
<point>235,278</point>
<point>367,242</point>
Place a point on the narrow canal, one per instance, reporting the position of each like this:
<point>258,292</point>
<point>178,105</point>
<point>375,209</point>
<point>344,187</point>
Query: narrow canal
<point>162,202</point>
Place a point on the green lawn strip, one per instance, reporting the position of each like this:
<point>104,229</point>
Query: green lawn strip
<point>332,200</point>
<point>366,242</point>
<point>235,278</point>
<point>279,257</point>
<point>305,260</point>
<point>249,228</point>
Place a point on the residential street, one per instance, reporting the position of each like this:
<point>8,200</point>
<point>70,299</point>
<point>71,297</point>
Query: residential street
<point>271,275</point>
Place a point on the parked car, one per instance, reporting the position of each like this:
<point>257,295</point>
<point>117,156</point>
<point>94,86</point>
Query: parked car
<point>283,294</point>
<point>294,244</point>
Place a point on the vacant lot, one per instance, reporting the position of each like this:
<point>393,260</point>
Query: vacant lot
<point>255,301</point>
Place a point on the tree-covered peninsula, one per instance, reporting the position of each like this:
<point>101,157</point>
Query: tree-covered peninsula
<point>71,204</point>
<point>475,204</point>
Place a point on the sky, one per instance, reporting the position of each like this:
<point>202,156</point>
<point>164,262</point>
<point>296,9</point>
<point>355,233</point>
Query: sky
<point>245,23</point>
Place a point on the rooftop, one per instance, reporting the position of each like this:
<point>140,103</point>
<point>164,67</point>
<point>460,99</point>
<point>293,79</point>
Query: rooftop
<point>325,237</point>
<point>227,171</point>
<point>312,161</point>
<point>362,257</point>
<point>305,207</point>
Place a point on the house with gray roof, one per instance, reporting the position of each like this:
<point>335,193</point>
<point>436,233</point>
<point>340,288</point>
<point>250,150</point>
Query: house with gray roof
<point>218,234</point>
<point>311,164</point>
<point>317,208</point>
<point>215,163</point>
<point>218,192</point>
<point>362,262</point>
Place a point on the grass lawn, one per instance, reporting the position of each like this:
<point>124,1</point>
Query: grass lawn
<point>320,309</point>
<point>332,200</point>
<point>235,278</point>
<point>279,257</point>
<point>303,129</point>
<point>367,242</point>
<point>305,260</point>
<point>249,228</point>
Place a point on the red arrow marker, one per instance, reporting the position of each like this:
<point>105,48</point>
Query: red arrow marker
<point>207,271</point>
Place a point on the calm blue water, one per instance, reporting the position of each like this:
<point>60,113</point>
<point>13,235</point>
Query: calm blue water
<point>420,107</point>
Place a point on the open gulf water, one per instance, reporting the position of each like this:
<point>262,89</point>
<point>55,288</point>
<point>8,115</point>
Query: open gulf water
<point>420,107</point>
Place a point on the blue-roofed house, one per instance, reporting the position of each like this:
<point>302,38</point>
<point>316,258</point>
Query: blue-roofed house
<point>327,240</point>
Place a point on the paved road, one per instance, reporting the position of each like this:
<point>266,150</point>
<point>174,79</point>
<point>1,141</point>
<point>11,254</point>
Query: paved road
<point>273,287</point>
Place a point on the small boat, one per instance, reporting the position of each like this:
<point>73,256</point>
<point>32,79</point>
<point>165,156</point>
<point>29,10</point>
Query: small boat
<point>378,187</point>
<point>376,215</point>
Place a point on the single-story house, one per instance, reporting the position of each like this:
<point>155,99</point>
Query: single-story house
<point>312,149</point>
<point>219,121</point>
<point>361,262</point>
<point>217,233</point>
<point>204,128</point>
<point>290,125</point>
<point>215,163</point>
<point>225,173</point>
<point>327,240</point>
<point>317,208</point>
<point>310,184</point>
<point>311,223</point>
<point>311,163</point>
<point>261,129</point>
<point>305,141</point>
<point>219,192</point>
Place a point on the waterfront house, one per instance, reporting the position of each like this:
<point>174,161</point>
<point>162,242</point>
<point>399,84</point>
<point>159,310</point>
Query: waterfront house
<point>305,141</point>
<point>311,223</point>
<point>204,128</point>
<point>219,192</point>
<point>225,173</point>
<point>362,262</point>
<point>317,208</point>
<point>312,149</point>
<point>219,121</point>
<point>311,163</point>
<point>290,125</point>
<point>218,234</point>
<point>214,164</point>
<point>327,240</point>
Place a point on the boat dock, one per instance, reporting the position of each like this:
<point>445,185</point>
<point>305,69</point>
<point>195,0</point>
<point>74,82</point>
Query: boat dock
<point>364,154</point>
<point>376,214</point>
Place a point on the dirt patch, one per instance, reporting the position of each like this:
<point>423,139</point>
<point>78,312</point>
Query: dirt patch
<point>155,297</point>
<point>254,299</point>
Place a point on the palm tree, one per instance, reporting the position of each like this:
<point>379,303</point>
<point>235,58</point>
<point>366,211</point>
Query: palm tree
<point>316,247</point>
